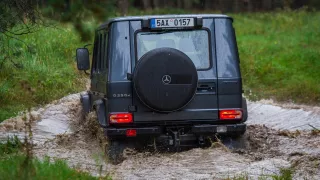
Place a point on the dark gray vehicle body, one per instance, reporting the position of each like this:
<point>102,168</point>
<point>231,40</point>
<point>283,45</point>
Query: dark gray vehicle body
<point>111,91</point>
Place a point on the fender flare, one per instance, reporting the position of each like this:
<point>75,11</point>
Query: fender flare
<point>85,102</point>
<point>245,109</point>
<point>100,108</point>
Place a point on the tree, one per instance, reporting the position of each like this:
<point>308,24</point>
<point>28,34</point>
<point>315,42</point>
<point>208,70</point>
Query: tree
<point>14,12</point>
<point>267,4</point>
<point>187,4</point>
<point>17,17</point>
<point>146,4</point>
<point>123,5</point>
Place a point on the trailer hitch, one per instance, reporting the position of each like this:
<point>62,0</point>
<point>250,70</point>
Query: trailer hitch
<point>175,138</point>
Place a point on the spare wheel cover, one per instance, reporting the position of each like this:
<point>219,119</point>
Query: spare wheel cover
<point>165,79</point>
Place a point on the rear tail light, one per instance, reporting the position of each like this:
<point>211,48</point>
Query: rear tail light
<point>121,118</point>
<point>230,114</point>
<point>131,133</point>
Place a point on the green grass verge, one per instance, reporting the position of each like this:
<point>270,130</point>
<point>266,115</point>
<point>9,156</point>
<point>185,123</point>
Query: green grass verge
<point>39,70</point>
<point>11,146</point>
<point>15,165</point>
<point>284,174</point>
<point>280,54</point>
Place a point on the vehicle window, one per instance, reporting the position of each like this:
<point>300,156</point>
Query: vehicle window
<point>101,41</point>
<point>194,44</point>
<point>95,54</point>
<point>105,50</point>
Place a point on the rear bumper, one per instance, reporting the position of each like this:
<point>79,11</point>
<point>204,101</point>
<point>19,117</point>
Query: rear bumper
<point>196,129</point>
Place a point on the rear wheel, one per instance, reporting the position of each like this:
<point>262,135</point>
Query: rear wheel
<point>114,151</point>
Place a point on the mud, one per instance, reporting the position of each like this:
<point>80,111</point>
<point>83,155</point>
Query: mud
<point>277,137</point>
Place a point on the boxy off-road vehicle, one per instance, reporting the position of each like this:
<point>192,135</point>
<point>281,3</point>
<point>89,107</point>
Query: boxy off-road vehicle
<point>174,79</point>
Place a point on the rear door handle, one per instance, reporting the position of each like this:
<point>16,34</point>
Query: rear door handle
<point>206,87</point>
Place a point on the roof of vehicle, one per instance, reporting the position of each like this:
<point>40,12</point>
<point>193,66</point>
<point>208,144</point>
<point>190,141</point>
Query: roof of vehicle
<point>130,18</point>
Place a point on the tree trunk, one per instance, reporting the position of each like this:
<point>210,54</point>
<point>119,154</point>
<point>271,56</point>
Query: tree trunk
<point>208,4</point>
<point>237,6</point>
<point>146,4</point>
<point>180,4</point>
<point>267,5</point>
<point>67,5</point>
<point>187,4</point>
<point>123,5</point>
<point>222,4</point>
<point>248,5</point>
<point>169,3</point>
<point>156,4</point>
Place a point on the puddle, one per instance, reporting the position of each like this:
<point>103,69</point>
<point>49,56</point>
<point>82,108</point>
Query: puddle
<point>274,144</point>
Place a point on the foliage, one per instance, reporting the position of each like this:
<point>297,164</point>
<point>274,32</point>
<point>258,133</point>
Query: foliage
<point>80,14</point>
<point>18,12</point>
<point>14,167</point>
<point>39,69</point>
<point>16,162</point>
<point>11,146</point>
<point>279,55</point>
<point>285,174</point>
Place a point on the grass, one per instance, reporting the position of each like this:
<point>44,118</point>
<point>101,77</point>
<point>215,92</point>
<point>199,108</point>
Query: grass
<point>11,146</point>
<point>39,70</point>
<point>14,164</point>
<point>284,174</point>
<point>15,167</point>
<point>280,54</point>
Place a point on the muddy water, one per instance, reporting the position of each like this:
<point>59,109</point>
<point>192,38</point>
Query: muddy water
<point>283,116</point>
<point>274,143</point>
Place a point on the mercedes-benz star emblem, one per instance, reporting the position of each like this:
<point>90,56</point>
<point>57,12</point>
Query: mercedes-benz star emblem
<point>166,79</point>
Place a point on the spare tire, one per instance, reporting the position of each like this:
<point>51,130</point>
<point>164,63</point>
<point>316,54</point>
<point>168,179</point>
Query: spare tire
<point>165,79</point>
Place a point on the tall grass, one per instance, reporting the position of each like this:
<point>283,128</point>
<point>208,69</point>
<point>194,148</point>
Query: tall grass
<point>16,164</point>
<point>280,54</point>
<point>14,167</point>
<point>39,69</point>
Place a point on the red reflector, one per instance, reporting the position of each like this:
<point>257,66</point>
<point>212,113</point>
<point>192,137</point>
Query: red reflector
<point>230,114</point>
<point>131,132</point>
<point>121,118</point>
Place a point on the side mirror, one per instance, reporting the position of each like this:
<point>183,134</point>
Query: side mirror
<point>83,62</point>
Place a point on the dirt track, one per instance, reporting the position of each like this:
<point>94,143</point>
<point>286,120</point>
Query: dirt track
<point>279,136</point>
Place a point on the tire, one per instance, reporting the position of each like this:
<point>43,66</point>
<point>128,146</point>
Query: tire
<point>114,151</point>
<point>165,79</point>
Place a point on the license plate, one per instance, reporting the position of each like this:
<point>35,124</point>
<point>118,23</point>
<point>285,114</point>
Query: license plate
<point>172,23</point>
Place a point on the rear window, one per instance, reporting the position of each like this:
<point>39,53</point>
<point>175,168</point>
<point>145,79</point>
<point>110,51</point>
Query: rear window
<point>194,44</point>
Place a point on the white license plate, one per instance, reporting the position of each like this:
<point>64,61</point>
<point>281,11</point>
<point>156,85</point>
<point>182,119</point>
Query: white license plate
<point>172,23</point>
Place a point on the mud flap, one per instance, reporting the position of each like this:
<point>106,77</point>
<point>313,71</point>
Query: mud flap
<point>85,101</point>
<point>101,112</point>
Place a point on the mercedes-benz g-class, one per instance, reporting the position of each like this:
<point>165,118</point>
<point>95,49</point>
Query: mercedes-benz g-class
<point>171,78</point>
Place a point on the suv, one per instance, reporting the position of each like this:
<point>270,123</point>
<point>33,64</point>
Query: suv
<point>174,79</point>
